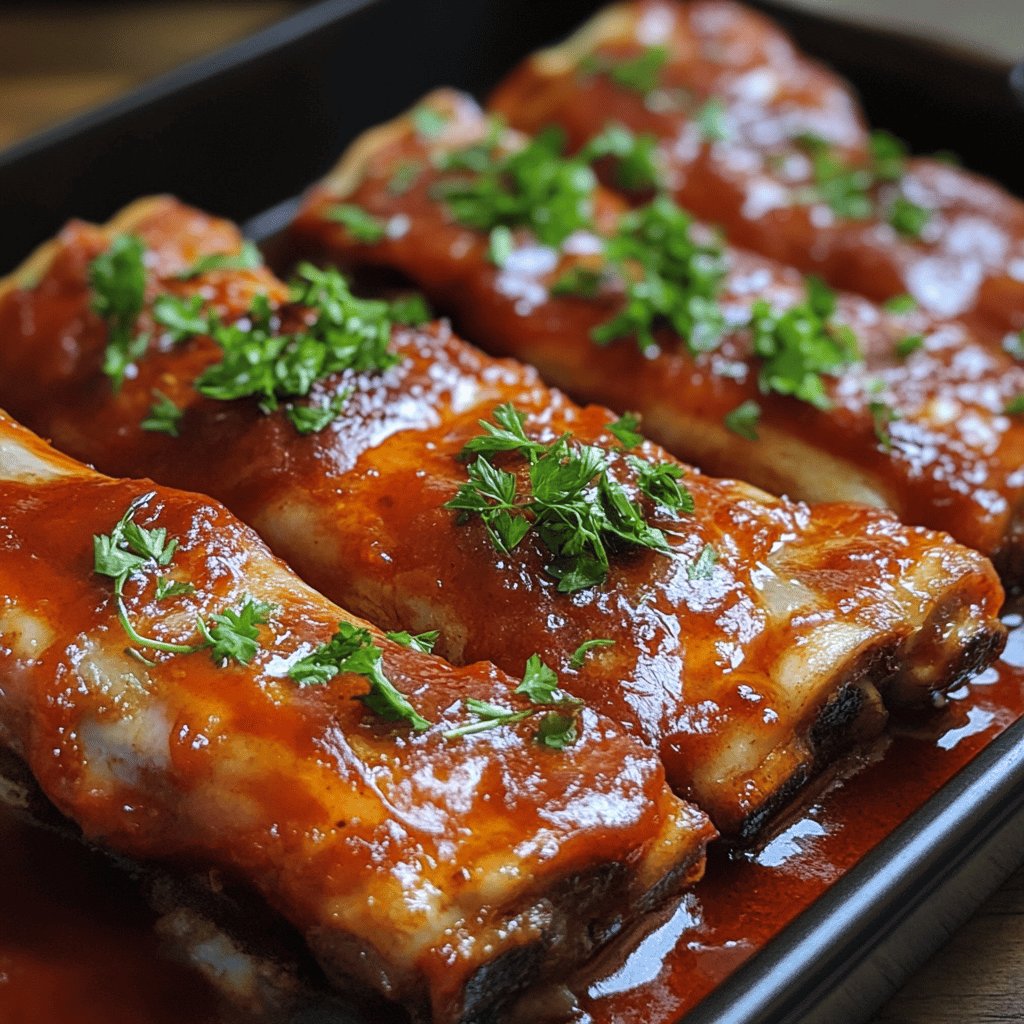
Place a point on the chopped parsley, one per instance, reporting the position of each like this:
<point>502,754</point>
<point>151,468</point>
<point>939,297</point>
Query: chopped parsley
<point>671,279</point>
<point>579,656</point>
<point>422,642</point>
<point>181,317</point>
<point>352,650</point>
<point>404,176</point>
<point>130,549</point>
<point>908,218</point>
<point>626,430</point>
<point>571,503</point>
<point>534,187</point>
<point>802,345</point>
<point>704,567</point>
<point>582,282</point>
<point>117,279</point>
<point>710,120</point>
<point>848,187</point>
<point>311,419</point>
<point>247,258</point>
<point>557,727</point>
<point>900,304</point>
<point>234,635</point>
<point>635,157</point>
<point>882,416</point>
<point>660,481</point>
<point>909,344</point>
<point>411,310</point>
<point>640,74</point>
<point>164,416</point>
<point>500,245</point>
<point>743,419</point>
<point>361,225</point>
<point>1015,406</point>
<point>347,334</point>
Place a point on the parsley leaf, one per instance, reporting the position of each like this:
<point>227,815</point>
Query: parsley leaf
<point>635,157</point>
<point>743,419</point>
<point>660,482</point>
<point>580,654</point>
<point>247,258</point>
<point>626,430</point>
<point>909,344</point>
<point>558,727</point>
<point>404,176</point>
<point>126,550</point>
<point>166,588</point>
<point>908,218</point>
<point>117,279</point>
<point>584,282</point>
<point>882,415</point>
<point>183,318</point>
<point>500,245</point>
<point>164,416</point>
<point>900,304</point>
<point>704,567</point>
<point>361,225</point>
<point>411,310</point>
<point>311,419</point>
<point>642,72</point>
<point>710,120</point>
<point>234,635</point>
<point>422,642</point>
<point>352,649</point>
<point>1015,406</point>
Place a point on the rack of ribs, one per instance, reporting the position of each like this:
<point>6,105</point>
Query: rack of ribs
<point>749,640</point>
<point>770,144</point>
<point>150,680</point>
<point>844,400</point>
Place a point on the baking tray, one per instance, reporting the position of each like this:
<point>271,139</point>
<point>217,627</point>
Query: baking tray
<point>243,131</point>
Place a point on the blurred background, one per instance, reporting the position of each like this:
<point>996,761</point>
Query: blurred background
<point>57,59</point>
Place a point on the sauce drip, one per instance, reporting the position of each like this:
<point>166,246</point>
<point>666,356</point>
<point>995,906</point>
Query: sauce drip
<point>77,944</point>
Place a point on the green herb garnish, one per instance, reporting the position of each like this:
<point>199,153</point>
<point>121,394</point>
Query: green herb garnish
<point>710,120</point>
<point>743,419</point>
<point>164,416</point>
<point>579,656</point>
<point>117,279</point>
<point>311,419</point>
<point>802,345</point>
<point>411,310</point>
<point>404,176</point>
<point>660,481</point>
<point>428,122</point>
<point>557,728</point>
<point>640,73</point>
<point>908,218</point>
<point>1015,406</point>
<point>704,567</point>
<point>574,507</point>
<point>635,157</point>
<point>900,304</point>
<point>181,317</point>
<point>582,282</point>
<point>247,258</point>
<point>882,416</point>
<point>422,642</point>
<point>909,344</point>
<point>234,635</point>
<point>534,187</point>
<point>671,279</point>
<point>626,430</point>
<point>352,650</point>
<point>361,225</point>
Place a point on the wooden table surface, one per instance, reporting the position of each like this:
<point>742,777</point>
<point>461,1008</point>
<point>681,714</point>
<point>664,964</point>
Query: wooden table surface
<point>58,60</point>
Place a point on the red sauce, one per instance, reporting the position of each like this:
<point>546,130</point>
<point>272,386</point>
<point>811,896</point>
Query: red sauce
<point>77,943</point>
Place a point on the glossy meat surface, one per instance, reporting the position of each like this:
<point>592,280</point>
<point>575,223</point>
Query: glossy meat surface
<point>968,260</point>
<point>948,456</point>
<point>748,678</point>
<point>441,872</point>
